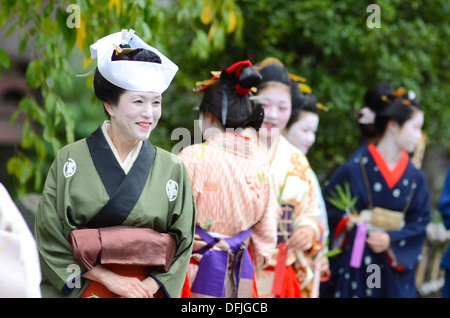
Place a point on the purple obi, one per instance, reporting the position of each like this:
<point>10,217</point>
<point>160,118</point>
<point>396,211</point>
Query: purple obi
<point>217,258</point>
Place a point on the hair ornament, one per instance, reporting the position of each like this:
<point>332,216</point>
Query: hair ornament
<point>407,96</point>
<point>122,50</point>
<point>399,92</point>
<point>384,98</point>
<point>200,86</point>
<point>304,88</point>
<point>411,95</point>
<point>367,116</point>
<point>297,78</point>
<point>235,69</point>
<point>322,107</point>
<point>117,48</point>
<point>406,102</point>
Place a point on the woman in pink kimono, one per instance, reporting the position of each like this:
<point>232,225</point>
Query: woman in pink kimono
<point>235,204</point>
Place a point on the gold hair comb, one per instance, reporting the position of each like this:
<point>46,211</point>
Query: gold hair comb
<point>322,107</point>
<point>399,92</point>
<point>304,88</point>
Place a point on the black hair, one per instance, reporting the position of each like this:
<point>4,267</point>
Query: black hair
<point>381,99</point>
<point>107,91</point>
<point>400,110</point>
<point>274,73</point>
<point>376,98</point>
<point>308,104</point>
<point>241,112</point>
<point>378,95</point>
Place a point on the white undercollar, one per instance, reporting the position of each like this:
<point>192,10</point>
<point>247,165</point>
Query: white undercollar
<point>131,158</point>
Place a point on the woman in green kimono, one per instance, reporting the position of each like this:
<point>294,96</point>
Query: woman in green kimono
<point>117,216</point>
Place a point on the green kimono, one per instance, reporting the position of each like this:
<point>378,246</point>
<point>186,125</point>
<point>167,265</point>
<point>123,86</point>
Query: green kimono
<point>87,187</point>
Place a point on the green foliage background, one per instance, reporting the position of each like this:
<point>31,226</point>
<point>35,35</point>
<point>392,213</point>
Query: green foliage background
<point>327,42</point>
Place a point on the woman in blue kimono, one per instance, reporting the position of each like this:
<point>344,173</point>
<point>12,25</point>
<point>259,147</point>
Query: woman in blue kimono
<point>444,207</point>
<point>380,238</point>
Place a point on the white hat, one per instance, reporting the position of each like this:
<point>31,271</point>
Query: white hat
<point>132,75</point>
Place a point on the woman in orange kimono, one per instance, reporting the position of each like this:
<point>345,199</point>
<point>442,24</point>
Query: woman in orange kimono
<point>235,203</point>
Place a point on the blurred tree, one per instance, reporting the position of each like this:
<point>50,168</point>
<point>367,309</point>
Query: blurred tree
<point>61,33</point>
<point>328,42</point>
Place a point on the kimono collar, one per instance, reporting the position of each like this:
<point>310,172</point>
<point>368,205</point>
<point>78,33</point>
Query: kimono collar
<point>234,143</point>
<point>124,190</point>
<point>391,176</point>
<point>131,158</point>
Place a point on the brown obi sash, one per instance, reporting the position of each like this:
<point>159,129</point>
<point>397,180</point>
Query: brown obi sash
<point>122,245</point>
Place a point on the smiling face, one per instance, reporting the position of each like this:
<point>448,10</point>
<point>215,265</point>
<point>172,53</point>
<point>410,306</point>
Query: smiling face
<point>302,133</point>
<point>276,101</point>
<point>135,116</point>
<point>409,134</point>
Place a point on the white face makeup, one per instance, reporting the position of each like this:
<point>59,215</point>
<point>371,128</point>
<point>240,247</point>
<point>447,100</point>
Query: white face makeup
<point>302,133</point>
<point>135,115</point>
<point>276,101</point>
<point>409,134</point>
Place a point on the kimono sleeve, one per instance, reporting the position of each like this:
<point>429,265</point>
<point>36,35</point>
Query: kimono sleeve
<point>299,186</point>
<point>444,208</point>
<point>264,233</point>
<point>407,243</point>
<point>337,218</point>
<point>444,202</point>
<point>335,215</point>
<point>191,156</point>
<point>51,226</point>
<point>181,225</point>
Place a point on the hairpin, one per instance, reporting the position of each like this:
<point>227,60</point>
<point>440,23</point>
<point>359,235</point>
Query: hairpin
<point>406,102</point>
<point>304,88</point>
<point>384,98</point>
<point>202,85</point>
<point>322,107</point>
<point>399,92</point>
<point>411,95</point>
<point>297,78</point>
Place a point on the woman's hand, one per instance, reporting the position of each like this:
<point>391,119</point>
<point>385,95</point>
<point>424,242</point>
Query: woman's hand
<point>378,241</point>
<point>127,287</point>
<point>349,225</point>
<point>152,284</point>
<point>302,239</point>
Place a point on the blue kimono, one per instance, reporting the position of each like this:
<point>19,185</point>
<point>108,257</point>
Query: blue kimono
<point>388,274</point>
<point>444,207</point>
